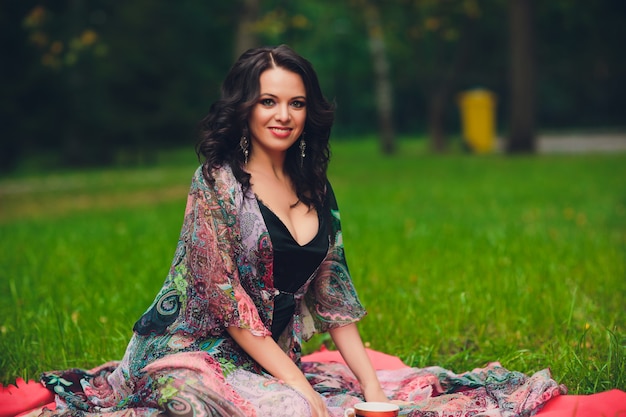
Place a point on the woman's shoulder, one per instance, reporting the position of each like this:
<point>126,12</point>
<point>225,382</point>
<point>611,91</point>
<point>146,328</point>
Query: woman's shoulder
<point>221,183</point>
<point>220,175</point>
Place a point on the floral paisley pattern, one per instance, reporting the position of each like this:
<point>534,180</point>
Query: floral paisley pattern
<point>221,276</point>
<point>181,361</point>
<point>437,392</point>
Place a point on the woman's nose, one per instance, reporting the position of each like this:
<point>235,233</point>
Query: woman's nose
<point>282,113</point>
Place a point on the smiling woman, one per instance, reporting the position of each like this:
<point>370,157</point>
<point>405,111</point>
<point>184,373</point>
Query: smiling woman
<point>259,268</point>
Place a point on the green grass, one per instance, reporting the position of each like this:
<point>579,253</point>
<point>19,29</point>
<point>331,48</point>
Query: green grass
<point>460,260</point>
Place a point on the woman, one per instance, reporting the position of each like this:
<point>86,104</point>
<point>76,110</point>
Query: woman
<point>259,267</point>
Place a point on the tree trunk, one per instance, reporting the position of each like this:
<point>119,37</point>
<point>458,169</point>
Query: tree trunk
<point>246,37</point>
<point>436,111</point>
<point>382,80</point>
<point>440,94</point>
<point>74,149</point>
<point>522,136</point>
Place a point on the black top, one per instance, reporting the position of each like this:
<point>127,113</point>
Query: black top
<point>293,264</point>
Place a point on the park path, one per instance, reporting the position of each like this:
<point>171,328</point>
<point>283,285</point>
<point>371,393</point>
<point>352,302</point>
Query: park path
<point>606,142</point>
<point>577,143</point>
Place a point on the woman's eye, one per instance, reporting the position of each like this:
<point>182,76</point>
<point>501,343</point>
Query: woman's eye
<point>298,104</point>
<point>267,102</point>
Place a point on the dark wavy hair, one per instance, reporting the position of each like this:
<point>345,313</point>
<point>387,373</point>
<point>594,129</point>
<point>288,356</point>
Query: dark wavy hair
<point>227,121</point>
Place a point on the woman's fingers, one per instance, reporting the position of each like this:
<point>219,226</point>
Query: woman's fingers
<point>318,406</point>
<point>316,402</point>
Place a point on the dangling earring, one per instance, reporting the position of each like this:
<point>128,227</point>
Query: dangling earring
<point>244,145</point>
<point>302,149</point>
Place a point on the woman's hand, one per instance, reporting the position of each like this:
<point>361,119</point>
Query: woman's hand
<point>374,393</point>
<point>316,402</point>
<point>270,356</point>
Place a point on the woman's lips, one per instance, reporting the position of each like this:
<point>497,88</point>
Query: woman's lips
<point>281,132</point>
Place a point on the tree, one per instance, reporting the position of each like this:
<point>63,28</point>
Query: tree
<point>431,42</point>
<point>246,36</point>
<point>382,80</point>
<point>447,29</point>
<point>443,85</point>
<point>522,135</point>
<point>127,79</point>
<point>20,75</point>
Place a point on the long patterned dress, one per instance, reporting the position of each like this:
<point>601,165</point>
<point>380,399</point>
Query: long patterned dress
<point>181,361</point>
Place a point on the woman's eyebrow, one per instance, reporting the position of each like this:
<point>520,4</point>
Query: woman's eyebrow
<point>275,96</point>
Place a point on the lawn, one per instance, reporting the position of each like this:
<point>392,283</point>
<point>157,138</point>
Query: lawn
<point>459,259</point>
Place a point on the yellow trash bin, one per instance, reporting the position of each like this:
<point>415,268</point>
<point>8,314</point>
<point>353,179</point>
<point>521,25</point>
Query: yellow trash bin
<point>478,119</point>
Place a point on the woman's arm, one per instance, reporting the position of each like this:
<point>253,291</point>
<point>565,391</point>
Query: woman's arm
<point>350,345</point>
<point>265,351</point>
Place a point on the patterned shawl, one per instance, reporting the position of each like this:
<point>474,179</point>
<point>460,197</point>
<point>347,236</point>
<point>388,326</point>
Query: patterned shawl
<point>221,276</point>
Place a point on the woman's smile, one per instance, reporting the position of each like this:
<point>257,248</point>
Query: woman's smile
<point>281,132</point>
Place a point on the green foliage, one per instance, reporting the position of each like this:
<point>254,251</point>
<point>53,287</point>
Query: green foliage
<point>460,260</point>
<point>119,78</point>
<point>102,82</point>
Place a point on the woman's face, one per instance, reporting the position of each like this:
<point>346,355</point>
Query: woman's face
<point>277,119</point>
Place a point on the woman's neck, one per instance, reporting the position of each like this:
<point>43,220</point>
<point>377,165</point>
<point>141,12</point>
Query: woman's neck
<point>268,165</point>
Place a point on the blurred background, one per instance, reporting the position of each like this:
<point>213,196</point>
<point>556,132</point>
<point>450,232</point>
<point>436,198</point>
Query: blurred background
<point>105,82</point>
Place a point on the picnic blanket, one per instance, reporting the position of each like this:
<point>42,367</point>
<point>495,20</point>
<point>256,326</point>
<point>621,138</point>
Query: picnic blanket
<point>24,396</point>
<point>610,403</point>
